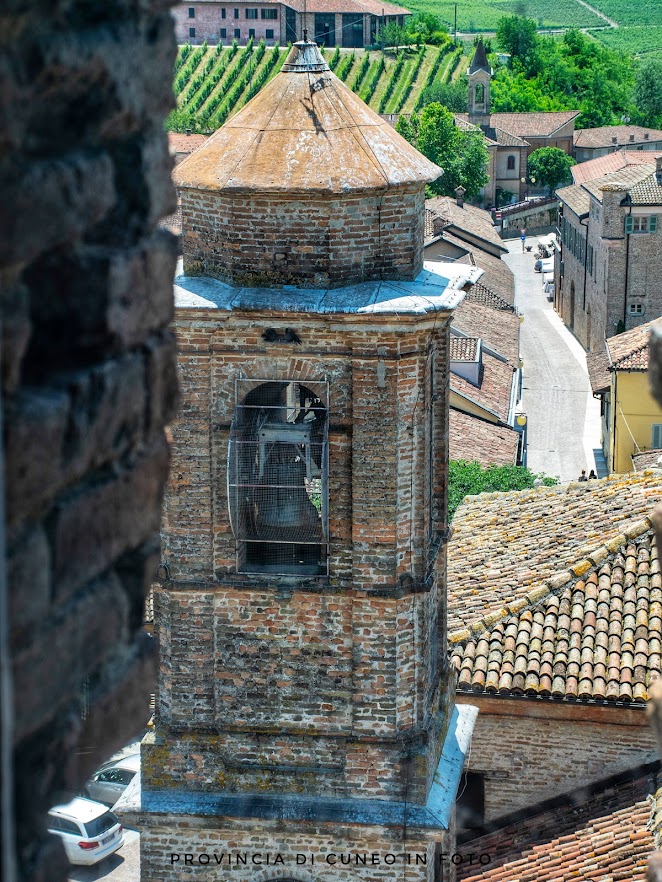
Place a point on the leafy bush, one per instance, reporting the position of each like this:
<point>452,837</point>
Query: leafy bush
<point>470,478</point>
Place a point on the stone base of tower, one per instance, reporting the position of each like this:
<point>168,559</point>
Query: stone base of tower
<point>284,837</point>
<point>176,849</point>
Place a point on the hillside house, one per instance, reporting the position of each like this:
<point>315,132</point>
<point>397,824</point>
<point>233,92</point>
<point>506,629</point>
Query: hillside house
<point>631,418</point>
<point>590,143</point>
<point>607,270</point>
<point>351,24</point>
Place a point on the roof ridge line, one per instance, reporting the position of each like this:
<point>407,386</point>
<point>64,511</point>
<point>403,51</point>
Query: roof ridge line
<point>551,586</point>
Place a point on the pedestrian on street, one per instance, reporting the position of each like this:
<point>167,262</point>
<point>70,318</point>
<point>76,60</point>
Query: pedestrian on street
<point>583,477</point>
<point>592,476</point>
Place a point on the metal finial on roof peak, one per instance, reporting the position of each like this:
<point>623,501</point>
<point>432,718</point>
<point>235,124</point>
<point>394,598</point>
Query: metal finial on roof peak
<point>305,57</point>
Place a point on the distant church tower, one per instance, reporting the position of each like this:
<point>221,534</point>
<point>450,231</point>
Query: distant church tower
<point>480,76</point>
<point>305,725</point>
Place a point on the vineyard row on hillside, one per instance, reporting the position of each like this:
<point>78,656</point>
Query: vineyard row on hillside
<point>212,83</point>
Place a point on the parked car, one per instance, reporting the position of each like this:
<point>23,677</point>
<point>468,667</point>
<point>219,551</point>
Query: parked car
<point>87,829</point>
<point>112,779</point>
<point>545,265</point>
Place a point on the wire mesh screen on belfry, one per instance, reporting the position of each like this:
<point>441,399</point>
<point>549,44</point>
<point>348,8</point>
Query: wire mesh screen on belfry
<point>278,477</point>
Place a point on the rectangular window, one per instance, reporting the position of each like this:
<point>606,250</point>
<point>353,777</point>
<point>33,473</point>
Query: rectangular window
<point>224,33</point>
<point>191,12</point>
<point>236,13</point>
<point>251,13</point>
<point>191,32</point>
<point>656,435</point>
<point>634,224</point>
<point>636,308</point>
<point>223,12</point>
<point>237,34</point>
<point>269,34</point>
<point>269,14</point>
<point>251,33</point>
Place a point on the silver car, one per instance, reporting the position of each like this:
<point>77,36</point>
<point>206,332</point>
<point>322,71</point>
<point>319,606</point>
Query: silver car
<point>112,779</point>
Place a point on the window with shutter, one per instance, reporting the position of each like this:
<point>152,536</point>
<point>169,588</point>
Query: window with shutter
<point>656,435</point>
<point>629,224</point>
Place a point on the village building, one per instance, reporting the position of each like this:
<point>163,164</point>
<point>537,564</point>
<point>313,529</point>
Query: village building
<point>351,24</point>
<point>305,701</point>
<point>555,628</point>
<point>631,418</point>
<point>485,379</point>
<point>606,277</point>
<point>605,140</point>
<point>511,137</point>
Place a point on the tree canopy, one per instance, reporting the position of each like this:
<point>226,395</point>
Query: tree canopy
<point>461,154</point>
<point>549,166</point>
<point>648,91</point>
<point>470,478</point>
<point>574,73</point>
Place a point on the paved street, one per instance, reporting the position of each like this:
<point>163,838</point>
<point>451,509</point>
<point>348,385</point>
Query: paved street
<point>563,416</point>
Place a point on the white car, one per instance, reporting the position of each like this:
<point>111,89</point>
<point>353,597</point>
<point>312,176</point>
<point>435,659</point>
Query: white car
<point>111,780</point>
<point>88,830</point>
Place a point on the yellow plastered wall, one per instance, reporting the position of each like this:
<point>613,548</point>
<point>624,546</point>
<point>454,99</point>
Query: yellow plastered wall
<point>635,412</point>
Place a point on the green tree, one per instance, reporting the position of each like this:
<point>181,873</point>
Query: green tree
<point>424,27</point>
<point>648,91</point>
<point>470,478</point>
<point>517,36</point>
<point>462,155</point>
<point>549,166</point>
<point>393,36</point>
<point>452,95</point>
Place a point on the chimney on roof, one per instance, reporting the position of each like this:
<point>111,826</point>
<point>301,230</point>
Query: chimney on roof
<point>658,169</point>
<point>645,136</point>
<point>188,131</point>
<point>632,137</point>
<point>459,195</point>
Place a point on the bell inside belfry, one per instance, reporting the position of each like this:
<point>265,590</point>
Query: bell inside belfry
<point>277,479</point>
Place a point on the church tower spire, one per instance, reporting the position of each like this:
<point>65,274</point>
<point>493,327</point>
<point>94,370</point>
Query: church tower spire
<point>479,76</point>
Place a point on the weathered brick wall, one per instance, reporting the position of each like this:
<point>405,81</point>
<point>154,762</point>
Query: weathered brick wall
<point>88,373</point>
<point>352,660</point>
<point>600,296</point>
<point>531,754</point>
<point>327,853</point>
<point>261,240</point>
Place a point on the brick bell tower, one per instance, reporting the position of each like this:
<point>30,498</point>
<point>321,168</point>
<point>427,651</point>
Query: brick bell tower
<point>305,726</point>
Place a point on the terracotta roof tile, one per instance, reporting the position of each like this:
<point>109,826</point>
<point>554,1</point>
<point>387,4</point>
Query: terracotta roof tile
<point>611,162</point>
<point>497,276</point>
<point>629,350</point>
<point>499,329</point>
<point>639,181</point>
<point>494,391</point>
<point>530,125</point>
<point>602,838</point>
<point>476,440</point>
<point>522,546</point>
<point>373,7</point>
<point>598,370</point>
<point>603,136</point>
<point>646,460</point>
<point>473,220</point>
<point>576,198</point>
<point>463,348</point>
<point>577,656</point>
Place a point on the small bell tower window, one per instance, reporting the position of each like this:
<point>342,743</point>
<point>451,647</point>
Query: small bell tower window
<point>278,477</point>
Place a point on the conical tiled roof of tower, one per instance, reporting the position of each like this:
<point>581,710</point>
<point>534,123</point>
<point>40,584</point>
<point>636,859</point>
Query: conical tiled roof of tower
<point>479,61</point>
<point>305,131</point>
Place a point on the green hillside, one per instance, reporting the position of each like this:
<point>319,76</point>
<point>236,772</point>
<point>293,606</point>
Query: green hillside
<point>212,83</point>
